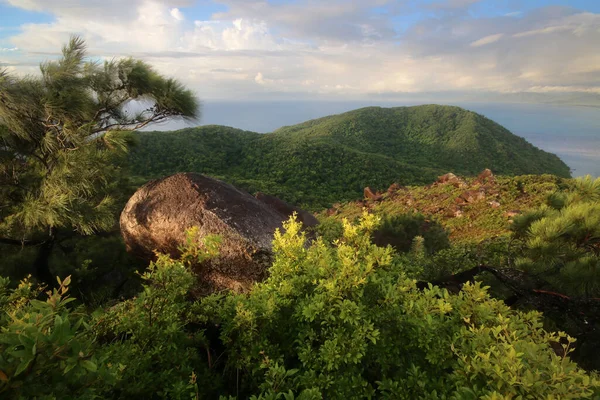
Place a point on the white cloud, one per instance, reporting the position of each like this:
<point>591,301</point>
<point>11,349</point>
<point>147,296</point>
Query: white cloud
<point>564,89</point>
<point>178,15</point>
<point>7,49</point>
<point>260,79</point>
<point>487,40</point>
<point>514,14</point>
<point>546,30</point>
<point>334,47</point>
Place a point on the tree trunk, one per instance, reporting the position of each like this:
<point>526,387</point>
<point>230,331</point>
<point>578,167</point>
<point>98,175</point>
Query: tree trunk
<point>41,265</point>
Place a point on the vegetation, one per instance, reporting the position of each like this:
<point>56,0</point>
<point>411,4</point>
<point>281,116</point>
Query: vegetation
<point>320,162</point>
<point>477,221</point>
<point>62,145</point>
<point>342,321</point>
<point>562,239</point>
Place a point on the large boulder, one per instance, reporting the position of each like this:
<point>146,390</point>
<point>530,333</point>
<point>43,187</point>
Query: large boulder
<point>287,210</point>
<point>159,213</point>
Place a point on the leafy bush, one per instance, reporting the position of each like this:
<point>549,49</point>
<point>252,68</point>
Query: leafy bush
<point>46,350</point>
<point>331,322</point>
<point>348,323</point>
<point>399,231</point>
<point>150,336</point>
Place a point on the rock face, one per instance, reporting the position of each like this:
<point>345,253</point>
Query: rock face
<point>158,214</point>
<point>451,179</point>
<point>486,176</point>
<point>470,196</point>
<point>287,210</point>
<point>370,194</point>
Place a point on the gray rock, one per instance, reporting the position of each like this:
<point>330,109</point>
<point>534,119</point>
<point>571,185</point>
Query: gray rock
<point>158,214</point>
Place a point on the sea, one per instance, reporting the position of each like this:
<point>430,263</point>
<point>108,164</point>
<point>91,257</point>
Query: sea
<point>571,132</point>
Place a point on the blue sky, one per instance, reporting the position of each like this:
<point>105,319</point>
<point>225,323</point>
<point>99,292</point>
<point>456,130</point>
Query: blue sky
<point>330,49</point>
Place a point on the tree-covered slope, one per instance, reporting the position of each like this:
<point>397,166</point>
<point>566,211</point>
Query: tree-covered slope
<point>333,158</point>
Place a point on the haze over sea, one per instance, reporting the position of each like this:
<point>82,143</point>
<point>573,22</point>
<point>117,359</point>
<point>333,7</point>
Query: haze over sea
<point>571,132</point>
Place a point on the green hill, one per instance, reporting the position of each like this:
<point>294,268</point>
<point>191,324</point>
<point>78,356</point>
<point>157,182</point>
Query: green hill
<point>330,159</point>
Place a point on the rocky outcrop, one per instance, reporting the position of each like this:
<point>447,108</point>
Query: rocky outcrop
<point>157,216</point>
<point>393,189</point>
<point>451,179</point>
<point>470,196</point>
<point>370,194</point>
<point>288,210</point>
<point>486,176</point>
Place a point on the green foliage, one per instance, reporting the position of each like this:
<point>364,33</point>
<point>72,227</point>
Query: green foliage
<point>562,239</point>
<point>63,142</point>
<point>139,348</point>
<point>148,338</point>
<point>331,159</point>
<point>346,321</point>
<point>399,231</point>
<point>196,250</point>
<point>45,348</point>
<point>478,222</point>
<point>342,321</point>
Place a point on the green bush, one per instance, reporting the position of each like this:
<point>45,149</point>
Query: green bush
<point>346,322</point>
<point>334,322</point>
<point>46,349</point>
<point>399,231</point>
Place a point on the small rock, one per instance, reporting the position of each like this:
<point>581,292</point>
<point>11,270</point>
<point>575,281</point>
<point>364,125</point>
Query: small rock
<point>494,204</point>
<point>393,189</point>
<point>471,196</point>
<point>371,195</point>
<point>485,176</point>
<point>451,179</point>
<point>512,213</point>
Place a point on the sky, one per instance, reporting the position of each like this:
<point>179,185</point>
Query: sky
<point>328,49</point>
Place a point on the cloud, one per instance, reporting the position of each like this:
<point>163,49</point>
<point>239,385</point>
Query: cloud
<point>260,79</point>
<point>178,15</point>
<point>7,49</point>
<point>341,48</point>
<point>487,40</point>
<point>514,14</point>
<point>452,4</point>
<point>331,21</point>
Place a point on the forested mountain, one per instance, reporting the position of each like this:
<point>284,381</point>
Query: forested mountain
<point>325,160</point>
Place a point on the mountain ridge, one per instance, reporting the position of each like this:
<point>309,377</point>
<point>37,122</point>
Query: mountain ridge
<point>329,159</point>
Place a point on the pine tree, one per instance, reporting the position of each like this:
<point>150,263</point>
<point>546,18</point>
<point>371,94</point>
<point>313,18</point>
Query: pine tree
<point>562,239</point>
<point>62,136</point>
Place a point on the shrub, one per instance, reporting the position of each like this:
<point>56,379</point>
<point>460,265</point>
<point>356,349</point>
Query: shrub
<point>332,322</point>
<point>346,322</point>
<point>399,231</point>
